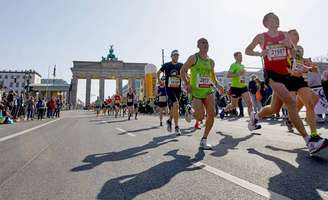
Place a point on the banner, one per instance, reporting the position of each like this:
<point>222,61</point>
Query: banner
<point>322,105</point>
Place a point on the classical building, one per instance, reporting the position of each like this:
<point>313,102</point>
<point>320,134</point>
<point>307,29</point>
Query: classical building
<point>18,80</point>
<point>107,68</point>
<point>49,88</point>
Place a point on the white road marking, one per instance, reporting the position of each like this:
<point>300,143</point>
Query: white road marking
<point>124,131</point>
<point>26,131</point>
<point>243,183</point>
<point>238,181</point>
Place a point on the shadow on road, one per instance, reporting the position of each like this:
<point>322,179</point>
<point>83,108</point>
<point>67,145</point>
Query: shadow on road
<point>229,143</point>
<point>297,182</point>
<point>97,159</point>
<point>130,186</point>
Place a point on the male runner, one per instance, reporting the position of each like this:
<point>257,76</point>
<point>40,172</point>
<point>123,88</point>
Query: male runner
<point>117,103</point>
<point>171,71</point>
<point>275,45</point>
<point>130,99</point>
<point>162,100</point>
<point>136,104</point>
<point>202,78</point>
<point>239,89</point>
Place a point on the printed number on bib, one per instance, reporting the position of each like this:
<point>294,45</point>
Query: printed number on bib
<point>174,82</point>
<point>204,82</point>
<point>130,100</point>
<point>162,99</point>
<point>277,52</point>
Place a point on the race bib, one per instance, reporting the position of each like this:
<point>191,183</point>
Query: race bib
<point>162,99</point>
<point>298,65</point>
<point>277,52</point>
<point>130,100</point>
<point>203,82</point>
<point>174,82</point>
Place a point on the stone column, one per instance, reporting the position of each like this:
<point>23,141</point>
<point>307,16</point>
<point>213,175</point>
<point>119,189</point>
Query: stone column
<point>88,92</point>
<point>102,88</point>
<point>73,95</point>
<point>119,85</point>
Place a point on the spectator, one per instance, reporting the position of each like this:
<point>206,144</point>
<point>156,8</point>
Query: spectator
<point>30,106</point>
<point>40,106</point>
<point>252,87</point>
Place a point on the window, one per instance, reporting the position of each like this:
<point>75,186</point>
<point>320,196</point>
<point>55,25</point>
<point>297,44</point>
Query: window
<point>6,76</point>
<point>18,76</point>
<point>0,76</point>
<point>12,76</point>
<point>11,84</point>
<point>17,84</point>
<point>23,84</point>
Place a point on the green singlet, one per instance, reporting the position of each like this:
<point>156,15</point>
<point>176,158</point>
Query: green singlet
<point>235,81</point>
<point>201,78</point>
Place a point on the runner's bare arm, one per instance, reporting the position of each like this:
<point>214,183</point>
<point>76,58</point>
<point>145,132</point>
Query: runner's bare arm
<point>184,69</point>
<point>258,40</point>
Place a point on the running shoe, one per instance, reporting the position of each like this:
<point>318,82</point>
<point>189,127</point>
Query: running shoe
<point>222,114</point>
<point>169,126</point>
<point>316,143</point>
<point>252,124</point>
<point>197,125</point>
<point>160,123</point>
<point>204,145</point>
<point>289,126</point>
<point>177,131</point>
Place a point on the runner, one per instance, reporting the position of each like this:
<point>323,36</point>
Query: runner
<point>305,95</point>
<point>108,105</point>
<point>275,45</point>
<point>98,104</point>
<point>130,99</point>
<point>161,100</point>
<point>117,103</point>
<point>239,89</point>
<point>136,104</point>
<point>123,106</point>
<point>171,71</point>
<point>199,85</point>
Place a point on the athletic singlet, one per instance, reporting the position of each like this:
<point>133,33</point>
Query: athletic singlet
<point>117,99</point>
<point>130,98</point>
<point>201,77</point>
<point>161,94</point>
<point>276,60</point>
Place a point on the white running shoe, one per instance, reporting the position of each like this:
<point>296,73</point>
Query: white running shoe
<point>204,145</point>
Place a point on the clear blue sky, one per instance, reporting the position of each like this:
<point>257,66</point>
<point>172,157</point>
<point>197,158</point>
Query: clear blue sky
<point>40,33</point>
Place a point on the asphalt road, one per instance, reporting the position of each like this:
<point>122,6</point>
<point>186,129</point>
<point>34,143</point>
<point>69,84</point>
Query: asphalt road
<point>80,156</point>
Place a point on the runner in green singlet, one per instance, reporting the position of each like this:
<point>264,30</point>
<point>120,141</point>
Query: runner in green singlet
<point>200,86</point>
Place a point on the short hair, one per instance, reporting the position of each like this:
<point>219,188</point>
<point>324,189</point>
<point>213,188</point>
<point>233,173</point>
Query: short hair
<point>236,54</point>
<point>200,39</point>
<point>265,18</point>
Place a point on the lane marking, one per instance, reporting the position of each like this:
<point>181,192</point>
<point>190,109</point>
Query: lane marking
<point>13,175</point>
<point>124,131</point>
<point>243,183</point>
<point>27,130</point>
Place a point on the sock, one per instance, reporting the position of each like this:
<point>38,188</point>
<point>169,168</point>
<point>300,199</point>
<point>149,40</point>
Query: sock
<point>204,138</point>
<point>314,134</point>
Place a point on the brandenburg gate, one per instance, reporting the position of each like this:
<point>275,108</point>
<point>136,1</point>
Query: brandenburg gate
<point>108,68</point>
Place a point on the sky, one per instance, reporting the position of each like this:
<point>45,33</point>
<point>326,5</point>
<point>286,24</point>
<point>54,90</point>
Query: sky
<point>38,34</point>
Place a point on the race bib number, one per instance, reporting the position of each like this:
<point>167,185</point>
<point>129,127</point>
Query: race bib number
<point>204,82</point>
<point>298,65</point>
<point>277,52</point>
<point>174,82</point>
<point>162,99</point>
